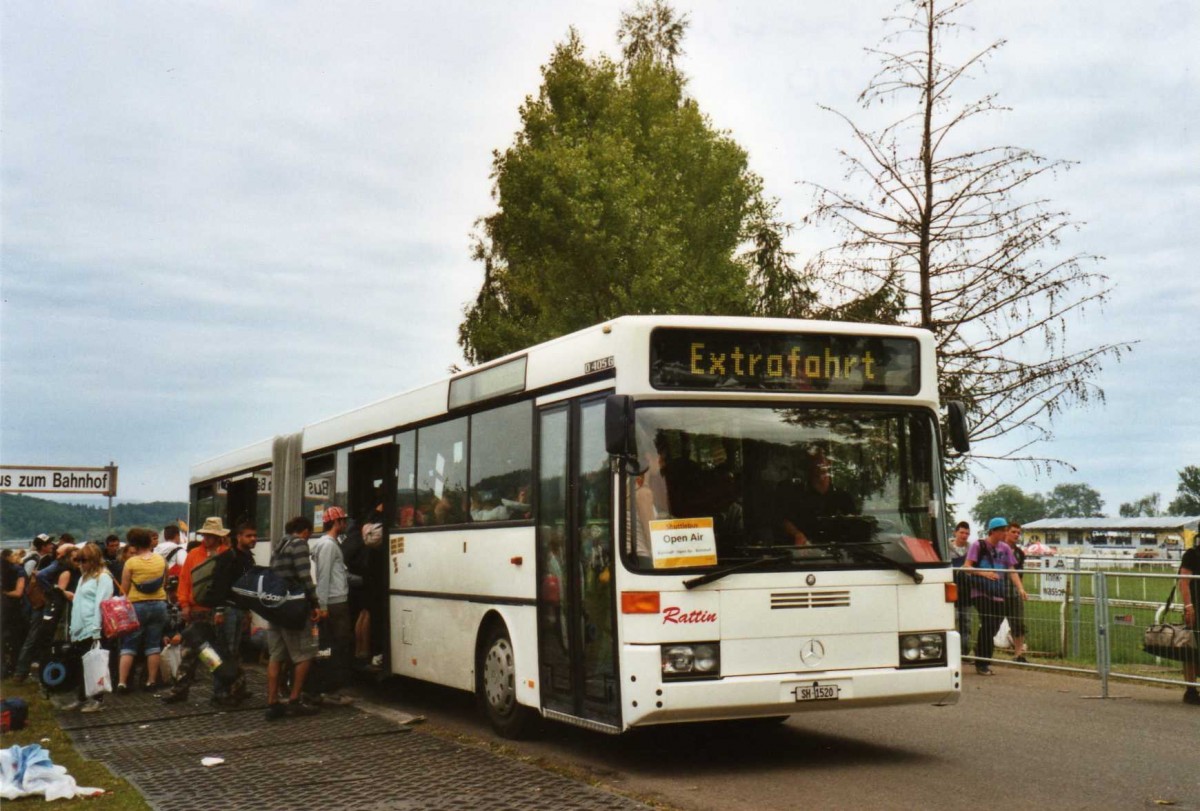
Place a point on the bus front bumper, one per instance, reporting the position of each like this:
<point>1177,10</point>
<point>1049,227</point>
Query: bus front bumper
<point>650,700</point>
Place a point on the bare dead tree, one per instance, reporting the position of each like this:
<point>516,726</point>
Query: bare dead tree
<point>952,231</point>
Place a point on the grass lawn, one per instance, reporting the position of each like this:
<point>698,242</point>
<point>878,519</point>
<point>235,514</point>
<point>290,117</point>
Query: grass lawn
<point>118,796</point>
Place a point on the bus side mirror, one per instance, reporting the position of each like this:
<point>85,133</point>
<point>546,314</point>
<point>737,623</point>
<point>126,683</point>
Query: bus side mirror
<point>618,425</point>
<point>956,414</point>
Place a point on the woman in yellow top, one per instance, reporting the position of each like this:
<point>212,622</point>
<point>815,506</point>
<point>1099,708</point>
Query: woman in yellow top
<point>144,582</point>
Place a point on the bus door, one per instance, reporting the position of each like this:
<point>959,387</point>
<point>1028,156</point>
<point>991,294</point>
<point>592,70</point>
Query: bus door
<point>371,499</point>
<point>576,606</point>
<point>241,502</point>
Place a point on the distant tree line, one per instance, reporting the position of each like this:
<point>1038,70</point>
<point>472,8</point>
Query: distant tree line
<point>1083,501</point>
<point>23,517</point>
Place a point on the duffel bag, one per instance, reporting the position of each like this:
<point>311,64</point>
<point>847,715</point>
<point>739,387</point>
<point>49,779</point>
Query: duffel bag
<point>267,594</point>
<point>1171,641</point>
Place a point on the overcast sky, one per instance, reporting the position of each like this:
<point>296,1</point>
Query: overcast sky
<point>224,220</point>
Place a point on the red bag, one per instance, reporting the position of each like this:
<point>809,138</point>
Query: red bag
<point>117,617</point>
<point>550,589</point>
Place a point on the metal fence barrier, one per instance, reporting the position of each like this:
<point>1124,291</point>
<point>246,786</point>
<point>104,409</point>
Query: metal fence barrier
<point>1082,618</point>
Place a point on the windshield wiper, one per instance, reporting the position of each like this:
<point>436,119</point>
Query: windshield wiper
<point>864,551</point>
<point>737,567</point>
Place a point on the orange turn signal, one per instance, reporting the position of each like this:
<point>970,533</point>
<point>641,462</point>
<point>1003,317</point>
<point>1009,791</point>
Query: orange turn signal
<point>951,592</point>
<point>639,602</point>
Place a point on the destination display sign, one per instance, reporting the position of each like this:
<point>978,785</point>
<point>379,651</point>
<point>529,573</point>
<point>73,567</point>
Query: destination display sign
<point>95,481</point>
<point>772,361</point>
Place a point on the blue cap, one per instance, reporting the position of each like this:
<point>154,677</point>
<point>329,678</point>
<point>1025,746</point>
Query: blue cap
<point>997,523</point>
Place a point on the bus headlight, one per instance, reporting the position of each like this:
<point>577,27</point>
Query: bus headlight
<point>922,650</point>
<point>700,660</point>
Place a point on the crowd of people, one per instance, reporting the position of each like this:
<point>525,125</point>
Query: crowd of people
<point>990,583</point>
<point>188,616</point>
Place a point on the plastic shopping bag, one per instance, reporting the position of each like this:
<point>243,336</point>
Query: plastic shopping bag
<point>1003,637</point>
<point>117,617</point>
<point>169,663</point>
<point>96,678</point>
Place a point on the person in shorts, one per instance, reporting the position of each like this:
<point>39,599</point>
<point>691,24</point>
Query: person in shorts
<point>290,560</point>
<point>143,581</point>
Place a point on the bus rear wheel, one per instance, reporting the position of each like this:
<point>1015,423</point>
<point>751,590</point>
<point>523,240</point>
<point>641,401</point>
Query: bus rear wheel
<point>497,686</point>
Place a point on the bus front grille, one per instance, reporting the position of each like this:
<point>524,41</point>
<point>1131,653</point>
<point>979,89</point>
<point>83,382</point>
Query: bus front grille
<point>810,599</point>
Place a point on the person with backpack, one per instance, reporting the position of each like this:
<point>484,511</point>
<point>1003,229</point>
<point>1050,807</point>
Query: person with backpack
<point>41,556</point>
<point>143,581</point>
<point>988,587</point>
<point>290,561</point>
<point>230,619</point>
<point>196,579</point>
<point>171,549</point>
<point>49,602</point>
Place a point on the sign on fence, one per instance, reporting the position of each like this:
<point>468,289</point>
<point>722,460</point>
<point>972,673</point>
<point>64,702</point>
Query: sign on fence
<point>1054,579</point>
<point>96,481</point>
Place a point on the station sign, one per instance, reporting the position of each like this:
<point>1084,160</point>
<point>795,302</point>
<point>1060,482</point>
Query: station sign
<point>93,481</point>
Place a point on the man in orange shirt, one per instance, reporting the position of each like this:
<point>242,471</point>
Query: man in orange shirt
<point>214,540</point>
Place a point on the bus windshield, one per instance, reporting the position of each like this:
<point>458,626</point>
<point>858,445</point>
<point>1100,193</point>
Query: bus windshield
<point>820,486</point>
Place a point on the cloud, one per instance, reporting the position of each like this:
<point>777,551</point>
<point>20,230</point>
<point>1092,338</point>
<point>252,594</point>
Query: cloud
<point>222,221</point>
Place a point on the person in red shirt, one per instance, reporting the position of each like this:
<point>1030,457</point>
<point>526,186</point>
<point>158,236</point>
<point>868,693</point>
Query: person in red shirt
<point>214,540</point>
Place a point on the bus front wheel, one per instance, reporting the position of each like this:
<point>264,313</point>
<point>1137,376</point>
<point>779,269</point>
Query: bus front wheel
<point>497,685</point>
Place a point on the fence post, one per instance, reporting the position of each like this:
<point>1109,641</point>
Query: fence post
<point>1103,663</point>
<point>1076,609</point>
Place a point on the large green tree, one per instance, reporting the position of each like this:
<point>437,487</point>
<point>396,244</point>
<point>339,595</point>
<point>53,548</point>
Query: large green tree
<point>1187,497</point>
<point>1011,502</point>
<point>618,196</point>
<point>1074,501</point>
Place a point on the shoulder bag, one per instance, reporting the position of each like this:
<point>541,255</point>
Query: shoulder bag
<point>990,588</point>
<point>1170,640</point>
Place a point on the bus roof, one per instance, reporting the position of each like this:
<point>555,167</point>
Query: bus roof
<point>620,343</point>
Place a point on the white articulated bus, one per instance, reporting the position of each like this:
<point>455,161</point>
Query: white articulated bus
<point>653,520</point>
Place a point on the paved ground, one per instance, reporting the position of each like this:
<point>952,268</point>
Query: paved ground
<point>345,757</point>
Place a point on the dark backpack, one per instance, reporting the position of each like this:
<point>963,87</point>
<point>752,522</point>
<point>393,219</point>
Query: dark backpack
<point>35,592</point>
<point>202,582</point>
<point>13,714</point>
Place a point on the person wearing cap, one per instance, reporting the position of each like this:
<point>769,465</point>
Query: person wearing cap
<point>333,607</point>
<point>42,555</point>
<point>214,541</point>
<point>988,590</point>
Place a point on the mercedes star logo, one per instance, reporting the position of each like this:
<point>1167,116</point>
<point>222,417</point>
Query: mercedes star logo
<point>812,652</point>
<point>811,580</point>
